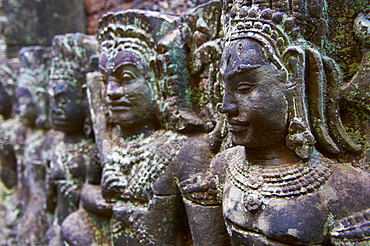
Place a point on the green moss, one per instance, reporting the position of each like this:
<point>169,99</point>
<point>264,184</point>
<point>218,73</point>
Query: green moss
<point>329,221</point>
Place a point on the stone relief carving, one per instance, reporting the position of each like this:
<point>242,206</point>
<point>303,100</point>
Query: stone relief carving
<point>143,151</point>
<point>226,125</point>
<point>357,90</point>
<point>7,126</point>
<point>73,155</point>
<point>32,105</point>
<point>281,101</point>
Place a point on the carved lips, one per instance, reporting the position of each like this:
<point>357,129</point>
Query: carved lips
<point>236,126</point>
<point>59,120</point>
<point>121,105</point>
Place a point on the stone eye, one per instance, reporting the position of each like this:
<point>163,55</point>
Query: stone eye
<point>244,88</point>
<point>62,102</point>
<point>127,76</point>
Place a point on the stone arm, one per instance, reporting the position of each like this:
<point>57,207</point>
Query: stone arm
<point>93,201</point>
<point>50,189</point>
<point>8,162</point>
<point>92,218</point>
<point>160,222</point>
<point>349,205</point>
<point>201,194</point>
<point>69,189</point>
<point>91,192</point>
<point>352,230</point>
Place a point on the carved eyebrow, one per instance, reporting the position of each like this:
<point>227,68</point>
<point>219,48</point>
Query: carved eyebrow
<point>240,69</point>
<point>127,64</point>
<point>119,66</point>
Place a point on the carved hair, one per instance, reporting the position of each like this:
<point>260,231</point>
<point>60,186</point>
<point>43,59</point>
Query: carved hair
<point>154,38</point>
<point>312,90</point>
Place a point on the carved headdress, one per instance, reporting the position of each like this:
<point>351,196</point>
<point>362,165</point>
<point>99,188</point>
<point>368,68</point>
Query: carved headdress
<point>291,34</point>
<point>152,41</point>
<point>33,79</point>
<point>74,55</point>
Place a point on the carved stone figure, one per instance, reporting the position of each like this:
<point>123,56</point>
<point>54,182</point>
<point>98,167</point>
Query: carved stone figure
<point>32,104</point>
<point>6,102</point>
<point>8,162</point>
<point>283,184</point>
<point>7,125</point>
<point>72,58</point>
<point>137,118</point>
<point>357,91</point>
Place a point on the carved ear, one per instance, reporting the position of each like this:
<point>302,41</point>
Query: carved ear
<point>295,62</point>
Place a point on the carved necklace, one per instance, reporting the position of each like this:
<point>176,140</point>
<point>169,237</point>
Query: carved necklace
<point>259,184</point>
<point>143,161</point>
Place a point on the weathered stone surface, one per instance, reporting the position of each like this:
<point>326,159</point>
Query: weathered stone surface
<point>73,156</point>
<point>96,9</point>
<point>287,182</point>
<point>146,150</point>
<point>246,115</point>
<point>34,22</point>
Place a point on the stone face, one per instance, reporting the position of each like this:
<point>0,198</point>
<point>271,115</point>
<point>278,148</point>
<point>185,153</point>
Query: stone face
<point>283,183</point>
<point>73,156</point>
<point>230,122</point>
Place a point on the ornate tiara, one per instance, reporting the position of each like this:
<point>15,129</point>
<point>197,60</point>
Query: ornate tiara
<point>264,24</point>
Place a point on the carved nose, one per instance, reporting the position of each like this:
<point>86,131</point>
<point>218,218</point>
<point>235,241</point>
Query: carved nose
<point>228,107</point>
<point>114,90</point>
<point>56,110</point>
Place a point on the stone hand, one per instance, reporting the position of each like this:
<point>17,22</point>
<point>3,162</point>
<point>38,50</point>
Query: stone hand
<point>201,188</point>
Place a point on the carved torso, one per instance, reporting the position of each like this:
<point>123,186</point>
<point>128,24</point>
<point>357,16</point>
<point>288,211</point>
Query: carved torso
<point>146,207</point>
<point>143,162</point>
<point>294,205</point>
<point>68,173</point>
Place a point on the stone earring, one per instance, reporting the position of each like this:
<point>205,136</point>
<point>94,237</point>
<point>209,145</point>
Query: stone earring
<point>300,139</point>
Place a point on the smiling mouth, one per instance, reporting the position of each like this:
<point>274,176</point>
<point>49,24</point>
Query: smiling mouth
<point>59,122</point>
<point>119,105</point>
<point>236,126</point>
<point>119,108</point>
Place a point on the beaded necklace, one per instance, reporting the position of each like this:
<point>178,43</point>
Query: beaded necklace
<point>259,184</point>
